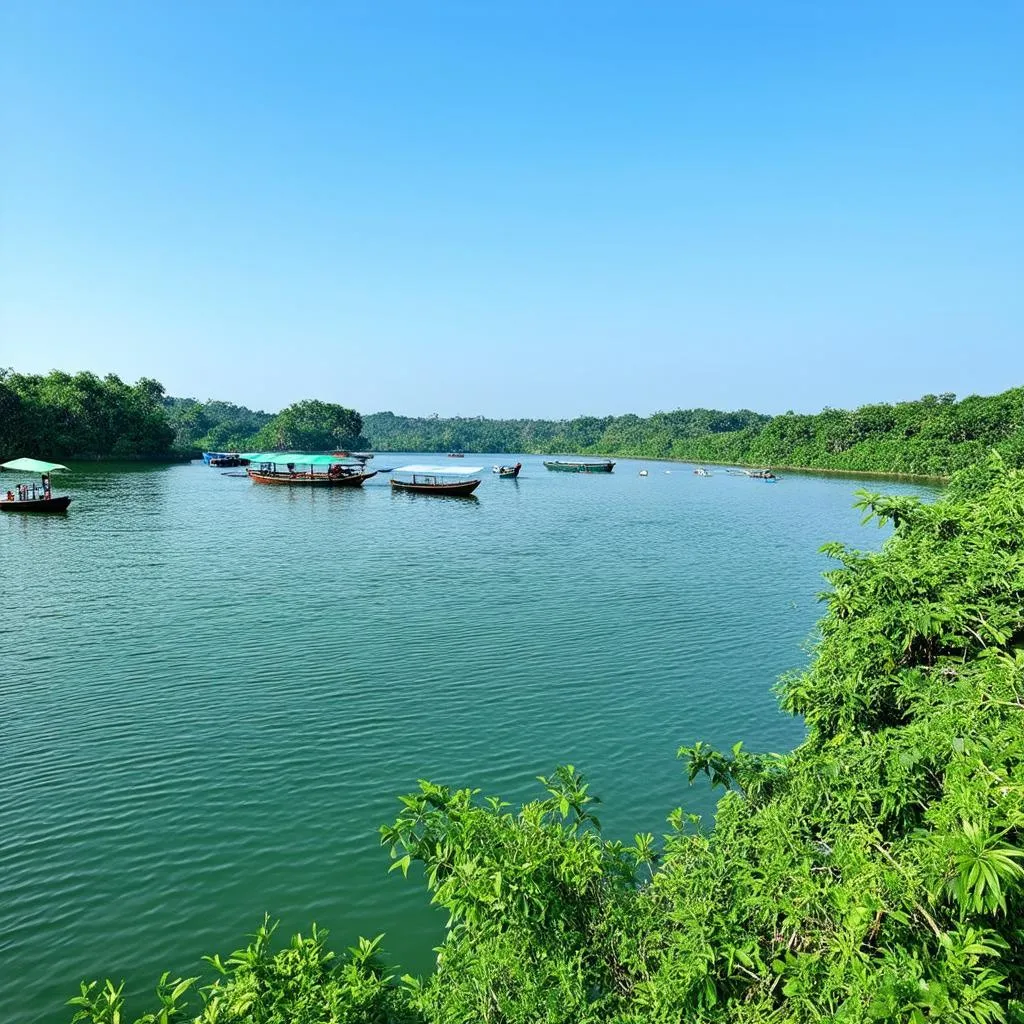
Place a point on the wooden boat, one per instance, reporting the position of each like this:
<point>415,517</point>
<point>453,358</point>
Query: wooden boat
<point>581,467</point>
<point>35,504</point>
<point>437,480</point>
<point>33,497</point>
<point>292,469</point>
<point>227,461</point>
<point>456,455</point>
<point>309,479</point>
<point>508,472</point>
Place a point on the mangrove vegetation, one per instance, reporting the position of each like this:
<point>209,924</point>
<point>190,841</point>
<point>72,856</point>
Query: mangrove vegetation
<point>62,415</point>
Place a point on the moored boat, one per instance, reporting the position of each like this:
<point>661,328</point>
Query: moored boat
<point>508,472</point>
<point>33,497</point>
<point>290,469</point>
<point>438,480</point>
<point>581,467</point>
<point>227,461</point>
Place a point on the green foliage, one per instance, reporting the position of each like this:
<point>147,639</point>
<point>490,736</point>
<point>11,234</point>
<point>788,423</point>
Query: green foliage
<point>655,436</point>
<point>64,415</point>
<point>932,436</point>
<point>874,874</point>
<point>213,426</point>
<point>313,426</point>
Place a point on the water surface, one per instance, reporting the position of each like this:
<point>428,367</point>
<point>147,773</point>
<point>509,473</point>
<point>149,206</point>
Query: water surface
<point>212,691</point>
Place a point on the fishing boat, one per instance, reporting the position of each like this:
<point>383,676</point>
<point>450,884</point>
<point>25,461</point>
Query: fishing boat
<point>291,469</point>
<point>508,472</point>
<point>581,467</point>
<point>33,497</point>
<point>440,480</point>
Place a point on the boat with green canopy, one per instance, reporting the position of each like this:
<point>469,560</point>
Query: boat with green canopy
<point>33,497</point>
<point>298,469</point>
<point>581,467</point>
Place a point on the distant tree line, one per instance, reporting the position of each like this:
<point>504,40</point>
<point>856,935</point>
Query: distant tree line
<point>654,436</point>
<point>61,415</point>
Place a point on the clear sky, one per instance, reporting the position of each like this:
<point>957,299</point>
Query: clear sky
<point>508,207</point>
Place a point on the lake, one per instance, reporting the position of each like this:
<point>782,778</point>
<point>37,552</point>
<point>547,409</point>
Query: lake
<point>213,692</point>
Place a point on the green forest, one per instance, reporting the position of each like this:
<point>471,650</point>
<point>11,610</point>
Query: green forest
<point>874,874</point>
<point>61,415</point>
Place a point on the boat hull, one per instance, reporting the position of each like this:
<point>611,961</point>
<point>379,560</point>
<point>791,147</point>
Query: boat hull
<point>580,467</point>
<point>36,505</point>
<point>309,480</point>
<point>508,472</point>
<point>456,489</point>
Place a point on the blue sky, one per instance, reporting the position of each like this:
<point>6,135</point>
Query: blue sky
<point>497,208</point>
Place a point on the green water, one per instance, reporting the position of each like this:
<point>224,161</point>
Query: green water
<point>212,691</point>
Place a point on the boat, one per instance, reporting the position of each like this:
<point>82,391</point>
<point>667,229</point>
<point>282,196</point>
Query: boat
<point>208,457</point>
<point>456,455</point>
<point>762,474</point>
<point>293,469</point>
<point>508,472</point>
<point>361,457</point>
<point>701,471</point>
<point>33,497</point>
<point>227,461</point>
<point>437,480</point>
<point>581,467</point>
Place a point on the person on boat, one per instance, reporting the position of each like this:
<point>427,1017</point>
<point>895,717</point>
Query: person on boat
<point>10,495</point>
<point>46,486</point>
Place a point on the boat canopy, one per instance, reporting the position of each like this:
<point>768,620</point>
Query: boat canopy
<point>441,470</point>
<point>294,458</point>
<point>32,466</point>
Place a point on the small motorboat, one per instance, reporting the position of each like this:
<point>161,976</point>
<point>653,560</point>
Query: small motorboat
<point>508,472</point>
<point>643,472</point>
<point>701,471</point>
<point>33,497</point>
<point>227,461</point>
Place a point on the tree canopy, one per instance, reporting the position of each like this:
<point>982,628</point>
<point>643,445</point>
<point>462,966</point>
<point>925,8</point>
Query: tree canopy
<point>62,415</point>
<point>313,426</point>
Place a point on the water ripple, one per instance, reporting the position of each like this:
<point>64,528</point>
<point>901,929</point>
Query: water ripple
<point>213,692</point>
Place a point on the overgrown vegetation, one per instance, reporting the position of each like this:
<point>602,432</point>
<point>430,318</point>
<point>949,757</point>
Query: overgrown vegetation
<point>63,415</point>
<point>873,874</point>
<point>935,435</point>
